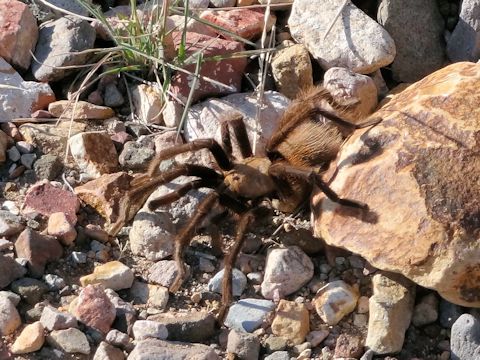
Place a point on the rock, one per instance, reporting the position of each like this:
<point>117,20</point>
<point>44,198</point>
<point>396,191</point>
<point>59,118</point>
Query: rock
<point>46,199</point>
<point>164,272</point>
<point>31,290</point>
<point>335,300</point>
<point>286,271</point>
<point>9,270</point>
<point>349,87</point>
<point>463,43</point>
<point>292,70</point>
<point>355,41</point>
<point>19,35</point>
<point>203,120</point>
<point>54,282</point>
<point>244,345</point>
<point>144,329</point>
<point>246,23</point>
<point>464,339</point>
<point>362,305</point>
<point>153,295</point>
<point>349,346</point>
<point>117,338</point>
<point>391,309</point>
<point>13,154</point>
<point>62,43</point>
<point>153,348</point>
<point>59,227</point>
<point>19,98</point>
<point>291,321</point>
<point>227,71</point>
<point>27,160</point>
<point>223,3</point>
<point>136,156</point>
<point>53,319</point>
<point>68,109</point>
<point>192,25</point>
<point>113,275</point>
<point>14,298</point>
<point>278,355</point>
<point>105,194</point>
<point>449,313</point>
<point>420,51</point>
<point>69,340</point>
<point>192,327</point>
<point>415,170</point>
<point>10,129</point>
<point>112,96</point>
<point>426,311</point>
<point>10,224</point>
<point>205,265</point>
<point>38,250</point>
<point>68,5</point>
<point>316,337</point>
<point>4,143</point>
<point>30,339</point>
<point>47,167</point>
<point>51,138</point>
<point>106,351</point>
<point>94,308</point>
<point>239,282</point>
<point>94,153</point>
<point>275,343</point>
<point>248,314</point>
<point>148,102</point>
<point>9,317</point>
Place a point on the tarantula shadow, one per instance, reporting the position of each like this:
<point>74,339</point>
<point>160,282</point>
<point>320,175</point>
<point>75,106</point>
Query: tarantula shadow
<point>308,137</point>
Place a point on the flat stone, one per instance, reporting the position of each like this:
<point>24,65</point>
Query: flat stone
<point>248,314</point>
<point>292,321</point>
<point>243,345</point>
<point>94,153</point>
<point>67,109</point>
<point>153,295</point>
<point>59,227</point>
<point>391,308</point>
<point>286,271</point>
<point>145,329</point>
<point>355,41</point>
<point>30,339</point>
<point>94,308</point>
<point>9,317</point>
<point>38,250</point>
<point>421,50</point>
<point>62,43</point>
<point>70,340</point>
<point>335,300</point>
<point>53,319</point>
<point>113,275</point>
<point>19,33</point>
<point>31,290</point>
<point>19,98</point>
<point>239,282</point>
<point>194,327</point>
<point>159,349</point>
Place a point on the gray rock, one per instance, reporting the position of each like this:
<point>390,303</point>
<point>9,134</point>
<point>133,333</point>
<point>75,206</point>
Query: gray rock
<point>286,271</point>
<point>465,338</point>
<point>157,349</point>
<point>9,317</point>
<point>70,340</point>
<point>426,311</point>
<point>24,147</point>
<point>239,282</point>
<point>52,319</point>
<point>449,313</point>
<point>27,160</point>
<point>10,224</point>
<point>54,282</point>
<point>60,44</point>
<point>79,257</point>
<point>355,41</point>
<point>14,298</point>
<point>144,329</point>
<point>420,50</point>
<point>278,355</point>
<point>31,290</point>
<point>105,351</point>
<point>275,343</point>
<point>198,4</point>
<point>48,167</point>
<point>112,96</point>
<point>190,327</point>
<point>71,6</point>
<point>118,339</point>
<point>246,346</point>
<point>136,156</point>
<point>223,3</point>
<point>13,154</point>
<point>248,314</point>
<point>164,272</point>
<point>464,43</point>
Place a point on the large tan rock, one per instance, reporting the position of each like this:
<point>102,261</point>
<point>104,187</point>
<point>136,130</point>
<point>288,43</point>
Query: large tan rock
<point>419,173</point>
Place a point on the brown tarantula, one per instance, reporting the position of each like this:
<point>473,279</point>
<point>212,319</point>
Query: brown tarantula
<point>307,139</point>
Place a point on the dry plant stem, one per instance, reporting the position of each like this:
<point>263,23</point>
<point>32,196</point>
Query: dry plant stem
<point>334,20</point>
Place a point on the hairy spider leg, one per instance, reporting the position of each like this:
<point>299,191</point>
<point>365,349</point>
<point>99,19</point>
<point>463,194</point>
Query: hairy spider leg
<point>236,123</point>
<point>227,294</point>
<point>282,170</point>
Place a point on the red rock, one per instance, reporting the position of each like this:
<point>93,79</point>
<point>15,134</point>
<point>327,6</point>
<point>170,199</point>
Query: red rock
<point>38,249</point>
<point>11,130</point>
<point>94,308</point>
<point>228,71</point>
<point>46,199</point>
<point>61,228</point>
<point>41,114</point>
<point>18,33</point>
<point>121,137</point>
<point>246,23</point>
<point>349,346</point>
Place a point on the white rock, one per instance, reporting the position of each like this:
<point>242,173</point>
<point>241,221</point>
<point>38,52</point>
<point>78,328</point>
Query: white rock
<point>335,300</point>
<point>144,329</point>
<point>355,41</point>
<point>286,271</point>
<point>148,101</point>
<point>239,282</point>
<point>9,317</point>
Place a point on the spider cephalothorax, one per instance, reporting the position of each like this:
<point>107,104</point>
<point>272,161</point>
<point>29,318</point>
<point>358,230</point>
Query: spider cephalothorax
<point>307,139</point>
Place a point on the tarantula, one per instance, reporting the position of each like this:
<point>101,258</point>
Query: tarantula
<point>307,139</point>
